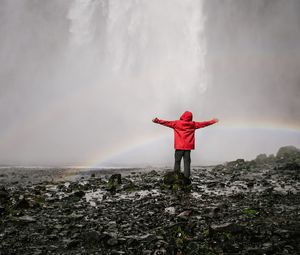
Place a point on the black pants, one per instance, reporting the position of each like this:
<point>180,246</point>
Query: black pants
<point>186,154</point>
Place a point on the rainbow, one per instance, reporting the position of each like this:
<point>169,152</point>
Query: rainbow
<point>96,162</point>
<point>227,124</point>
<point>14,134</point>
<point>121,148</point>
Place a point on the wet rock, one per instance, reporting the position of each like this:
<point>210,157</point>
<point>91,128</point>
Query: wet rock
<point>91,237</point>
<point>130,186</point>
<point>116,178</point>
<point>25,219</point>
<point>227,227</point>
<point>22,204</point>
<point>171,210</point>
<point>185,214</point>
<point>261,158</point>
<point>2,210</point>
<point>153,173</point>
<point>72,243</point>
<point>112,241</point>
<point>4,195</point>
<point>235,164</point>
<point>250,184</point>
<point>117,252</point>
<point>254,251</point>
<point>211,184</point>
<point>294,166</point>
<point>288,153</point>
<point>79,193</point>
<point>76,216</point>
<point>176,181</point>
<point>160,252</point>
<point>114,182</point>
<point>219,168</point>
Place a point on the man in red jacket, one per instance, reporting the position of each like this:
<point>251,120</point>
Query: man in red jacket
<point>184,138</point>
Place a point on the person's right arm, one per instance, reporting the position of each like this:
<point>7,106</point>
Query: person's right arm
<point>167,123</point>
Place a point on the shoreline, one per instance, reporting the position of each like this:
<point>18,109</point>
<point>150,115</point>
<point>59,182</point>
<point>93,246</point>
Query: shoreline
<point>28,175</point>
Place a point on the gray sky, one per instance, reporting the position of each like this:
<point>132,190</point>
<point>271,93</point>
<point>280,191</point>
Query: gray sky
<point>80,81</point>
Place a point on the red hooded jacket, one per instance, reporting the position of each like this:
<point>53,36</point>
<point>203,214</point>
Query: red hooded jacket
<point>184,130</point>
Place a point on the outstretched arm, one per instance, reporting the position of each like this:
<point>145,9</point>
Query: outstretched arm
<point>166,123</point>
<point>205,123</point>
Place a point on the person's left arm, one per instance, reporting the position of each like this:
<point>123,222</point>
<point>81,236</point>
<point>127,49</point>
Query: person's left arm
<point>203,124</point>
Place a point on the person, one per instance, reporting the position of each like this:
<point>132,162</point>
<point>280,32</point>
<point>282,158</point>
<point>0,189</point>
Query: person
<point>184,138</point>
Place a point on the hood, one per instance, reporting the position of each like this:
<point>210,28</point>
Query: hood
<point>187,116</point>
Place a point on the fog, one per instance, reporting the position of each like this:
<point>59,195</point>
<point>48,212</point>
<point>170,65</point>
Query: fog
<point>81,80</point>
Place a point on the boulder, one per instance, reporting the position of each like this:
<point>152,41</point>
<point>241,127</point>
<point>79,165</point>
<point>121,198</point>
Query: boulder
<point>261,158</point>
<point>176,181</point>
<point>116,178</point>
<point>113,182</point>
<point>288,153</point>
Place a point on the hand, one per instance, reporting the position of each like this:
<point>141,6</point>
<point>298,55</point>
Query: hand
<point>155,120</point>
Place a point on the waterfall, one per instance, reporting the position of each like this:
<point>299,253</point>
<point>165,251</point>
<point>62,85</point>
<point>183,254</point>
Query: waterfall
<point>81,27</point>
<point>157,45</point>
<point>161,42</point>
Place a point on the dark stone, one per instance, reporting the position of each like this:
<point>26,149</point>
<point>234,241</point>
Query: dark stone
<point>192,248</point>
<point>79,193</point>
<point>114,252</point>
<point>25,219</point>
<point>288,152</point>
<point>176,180</point>
<point>261,158</point>
<point>254,251</point>
<point>91,237</point>
<point>112,241</point>
<point>114,182</point>
<point>227,227</point>
<point>73,244</point>
<point>2,210</point>
<point>219,168</point>
<point>4,195</point>
<point>160,252</point>
<point>116,178</point>
<point>153,173</point>
<point>129,186</point>
<point>250,184</point>
<point>22,204</point>
<point>289,166</point>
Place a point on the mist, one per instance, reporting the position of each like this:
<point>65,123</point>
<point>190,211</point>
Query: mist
<point>80,81</point>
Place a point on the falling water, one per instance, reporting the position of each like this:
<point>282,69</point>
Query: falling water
<point>81,28</point>
<point>82,79</point>
<point>122,61</point>
<point>152,47</point>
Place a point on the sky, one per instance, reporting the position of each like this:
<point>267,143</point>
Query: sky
<point>81,80</point>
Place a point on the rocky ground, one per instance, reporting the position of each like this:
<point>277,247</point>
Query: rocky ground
<point>242,207</point>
